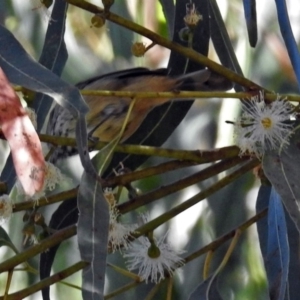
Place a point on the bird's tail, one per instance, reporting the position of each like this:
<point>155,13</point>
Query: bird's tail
<point>204,80</point>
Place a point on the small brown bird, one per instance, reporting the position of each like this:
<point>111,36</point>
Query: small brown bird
<point>107,114</point>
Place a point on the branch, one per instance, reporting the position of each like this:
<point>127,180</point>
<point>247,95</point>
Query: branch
<point>46,282</point>
<point>47,243</point>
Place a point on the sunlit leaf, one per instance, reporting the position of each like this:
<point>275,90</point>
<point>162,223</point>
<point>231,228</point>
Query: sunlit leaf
<point>169,12</point>
<point>92,236</point>
<point>93,226</point>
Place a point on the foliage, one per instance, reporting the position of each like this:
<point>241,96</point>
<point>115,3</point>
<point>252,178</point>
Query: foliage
<point>133,199</point>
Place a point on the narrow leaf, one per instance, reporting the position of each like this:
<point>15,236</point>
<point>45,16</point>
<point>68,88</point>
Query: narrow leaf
<point>251,20</point>
<point>93,226</point>
<point>65,215</point>
<point>283,171</point>
<point>287,34</point>
<point>92,236</point>
<point>277,260</point>
<point>6,241</point>
<point>121,38</point>
<point>222,42</point>
<point>54,56</point>
<point>169,12</point>
<point>262,202</point>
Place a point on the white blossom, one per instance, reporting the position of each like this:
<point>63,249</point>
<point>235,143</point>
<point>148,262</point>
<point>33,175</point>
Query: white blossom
<point>53,177</point>
<point>152,259</point>
<point>263,126</point>
<point>119,233</point>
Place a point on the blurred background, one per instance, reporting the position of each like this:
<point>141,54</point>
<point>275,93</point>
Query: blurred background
<point>95,51</point>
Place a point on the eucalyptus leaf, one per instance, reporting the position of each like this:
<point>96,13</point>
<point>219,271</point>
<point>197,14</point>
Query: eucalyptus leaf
<point>93,226</point>
<point>288,36</point>
<point>251,20</point>
<point>282,168</point>
<point>221,41</point>
<point>54,56</point>
<point>6,241</point>
<point>262,203</point>
<point>92,233</point>
<point>277,256</point>
<point>65,215</point>
<point>121,38</point>
<point>169,12</point>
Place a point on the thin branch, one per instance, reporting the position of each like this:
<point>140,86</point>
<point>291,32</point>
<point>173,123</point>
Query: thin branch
<point>150,226</point>
<point>32,251</point>
<point>122,289</point>
<point>185,95</point>
<point>224,238</point>
<point>180,184</point>
<point>47,281</point>
<point>199,156</point>
<point>147,172</point>
<point>67,195</point>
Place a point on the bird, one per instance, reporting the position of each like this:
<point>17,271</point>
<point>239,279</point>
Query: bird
<point>107,114</point>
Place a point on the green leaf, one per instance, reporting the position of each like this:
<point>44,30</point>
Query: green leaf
<point>222,43</point>
<point>54,56</point>
<point>93,226</point>
<point>6,241</point>
<point>92,234</point>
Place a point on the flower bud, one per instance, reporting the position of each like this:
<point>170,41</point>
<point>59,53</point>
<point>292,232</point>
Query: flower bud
<point>138,49</point>
<point>192,17</point>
